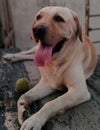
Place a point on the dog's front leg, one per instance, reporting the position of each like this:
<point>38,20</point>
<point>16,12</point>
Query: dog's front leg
<point>50,109</point>
<point>77,93</point>
<point>41,90</point>
<point>31,51</point>
<point>24,55</point>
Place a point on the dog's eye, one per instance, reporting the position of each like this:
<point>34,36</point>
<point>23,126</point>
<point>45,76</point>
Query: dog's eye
<point>38,17</point>
<point>58,19</point>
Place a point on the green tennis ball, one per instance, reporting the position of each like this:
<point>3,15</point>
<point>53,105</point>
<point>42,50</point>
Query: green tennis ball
<point>22,85</point>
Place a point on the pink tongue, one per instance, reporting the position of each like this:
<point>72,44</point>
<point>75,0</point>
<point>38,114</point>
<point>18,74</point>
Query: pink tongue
<point>43,55</point>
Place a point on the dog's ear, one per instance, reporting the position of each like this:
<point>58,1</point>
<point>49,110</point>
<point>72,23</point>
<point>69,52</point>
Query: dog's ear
<point>79,28</point>
<point>31,36</point>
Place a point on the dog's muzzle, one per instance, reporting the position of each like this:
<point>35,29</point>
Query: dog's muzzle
<point>45,52</point>
<point>39,32</point>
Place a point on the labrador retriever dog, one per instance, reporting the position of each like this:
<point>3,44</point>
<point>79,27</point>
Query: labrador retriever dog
<point>65,57</point>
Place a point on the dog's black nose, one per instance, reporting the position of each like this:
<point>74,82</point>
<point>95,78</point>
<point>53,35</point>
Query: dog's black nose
<point>39,31</point>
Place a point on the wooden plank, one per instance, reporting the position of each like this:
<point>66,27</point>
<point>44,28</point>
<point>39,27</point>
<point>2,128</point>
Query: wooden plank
<point>8,39</point>
<point>87,12</point>
<point>7,23</point>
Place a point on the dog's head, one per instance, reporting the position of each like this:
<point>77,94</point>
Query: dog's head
<point>51,27</point>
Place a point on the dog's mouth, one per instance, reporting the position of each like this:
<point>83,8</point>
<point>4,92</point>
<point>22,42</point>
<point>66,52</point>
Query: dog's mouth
<point>44,53</point>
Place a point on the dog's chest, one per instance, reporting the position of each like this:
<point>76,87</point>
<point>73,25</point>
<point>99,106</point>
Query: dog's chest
<point>50,73</point>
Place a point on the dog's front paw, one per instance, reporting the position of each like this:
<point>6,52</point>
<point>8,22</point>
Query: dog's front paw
<point>8,56</point>
<point>23,109</point>
<point>11,57</point>
<point>35,122</point>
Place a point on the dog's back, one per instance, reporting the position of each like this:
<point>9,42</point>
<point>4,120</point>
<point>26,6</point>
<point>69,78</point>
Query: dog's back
<point>90,56</point>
